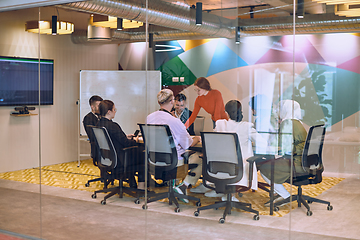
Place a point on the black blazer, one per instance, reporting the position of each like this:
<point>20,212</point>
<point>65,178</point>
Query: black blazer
<point>118,137</point>
<point>90,120</point>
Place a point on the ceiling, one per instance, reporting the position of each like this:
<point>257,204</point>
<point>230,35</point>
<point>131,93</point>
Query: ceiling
<point>170,20</point>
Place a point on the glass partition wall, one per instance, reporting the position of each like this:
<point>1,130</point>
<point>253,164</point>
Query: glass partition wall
<point>288,73</point>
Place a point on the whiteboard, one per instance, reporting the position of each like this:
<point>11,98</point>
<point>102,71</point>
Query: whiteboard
<point>133,93</point>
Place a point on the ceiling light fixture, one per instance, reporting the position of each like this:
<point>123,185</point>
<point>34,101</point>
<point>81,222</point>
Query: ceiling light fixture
<point>237,35</point>
<point>46,27</point>
<point>112,22</point>
<point>151,40</point>
<point>198,13</point>
<point>54,25</point>
<point>119,25</point>
<point>347,10</point>
<point>300,9</point>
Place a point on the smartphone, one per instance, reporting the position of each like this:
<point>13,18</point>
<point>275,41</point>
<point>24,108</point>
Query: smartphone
<point>136,133</point>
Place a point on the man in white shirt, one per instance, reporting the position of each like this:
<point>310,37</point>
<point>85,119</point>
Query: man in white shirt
<point>181,137</point>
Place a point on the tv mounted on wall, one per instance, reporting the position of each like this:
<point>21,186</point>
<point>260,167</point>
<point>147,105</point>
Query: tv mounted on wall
<point>19,81</point>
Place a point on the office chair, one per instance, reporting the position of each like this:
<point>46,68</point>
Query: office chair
<point>114,166</point>
<point>94,156</point>
<point>313,167</point>
<point>162,160</point>
<point>223,166</point>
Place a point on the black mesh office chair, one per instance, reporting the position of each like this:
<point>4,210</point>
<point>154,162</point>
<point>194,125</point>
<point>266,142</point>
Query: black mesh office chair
<point>162,161</point>
<point>223,166</point>
<point>313,166</point>
<point>113,165</point>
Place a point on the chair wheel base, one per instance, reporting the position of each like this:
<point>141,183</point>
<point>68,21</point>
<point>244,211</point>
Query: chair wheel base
<point>309,213</point>
<point>103,202</point>
<point>329,207</point>
<point>144,206</point>
<point>177,210</point>
<point>137,201</point>
<point>196,213</point>
<point>256,217</point>
<point>198,204</point>
<point>93,196</point>
<point>221,220</point>
<point>87,185</point>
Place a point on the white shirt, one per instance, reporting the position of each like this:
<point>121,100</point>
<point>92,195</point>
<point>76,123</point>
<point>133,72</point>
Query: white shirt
<point>181,137</point>
<point>246,135</point>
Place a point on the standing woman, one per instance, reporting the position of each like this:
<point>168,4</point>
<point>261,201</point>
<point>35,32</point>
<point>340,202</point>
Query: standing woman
<point>210,100</point>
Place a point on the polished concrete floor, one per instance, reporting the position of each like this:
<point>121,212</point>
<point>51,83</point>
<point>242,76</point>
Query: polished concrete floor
<point>55,213</point>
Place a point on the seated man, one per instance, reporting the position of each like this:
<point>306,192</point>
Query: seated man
<point>120,139</point>
<point>183,113</point>
<point>182,138</point>
<point>92,118</point>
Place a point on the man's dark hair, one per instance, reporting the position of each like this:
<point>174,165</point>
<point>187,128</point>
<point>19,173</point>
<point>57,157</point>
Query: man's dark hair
<point>105,106</point>
<point>94,98</point>
<point>234,109</point>
<point>180,97</point>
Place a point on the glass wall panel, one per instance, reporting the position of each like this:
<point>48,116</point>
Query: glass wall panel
<point>20,174</point>
<point>286,63</point>
<point>326,87</point>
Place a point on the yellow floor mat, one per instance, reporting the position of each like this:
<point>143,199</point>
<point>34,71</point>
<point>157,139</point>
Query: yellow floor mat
<point>69,175</point>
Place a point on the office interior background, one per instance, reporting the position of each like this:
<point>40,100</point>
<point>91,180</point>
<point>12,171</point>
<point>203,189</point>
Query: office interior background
<point>244,48</point>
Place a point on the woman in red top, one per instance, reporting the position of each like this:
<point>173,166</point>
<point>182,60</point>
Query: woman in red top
<point>210,100</point>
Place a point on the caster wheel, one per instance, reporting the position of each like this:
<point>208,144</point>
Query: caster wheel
<point>177,210</point>
<point>329,207</point>
<point>309,202</point>
<point>137,201</point>
<point>103,202</point>
<point>276,209</point>
<point>256,217</point>
<point>144,206</point>
<point>196,213</point>
<point>87,185</point>
<point>198,204</point>
<point>93,196</point>
<point>308,213</point>
<point>221,220</point>
<point>240,194</point>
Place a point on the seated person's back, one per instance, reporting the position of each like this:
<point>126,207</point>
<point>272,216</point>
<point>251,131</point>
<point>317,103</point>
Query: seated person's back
<point>246,135</point>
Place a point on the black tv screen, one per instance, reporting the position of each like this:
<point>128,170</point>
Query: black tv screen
<point>19,81</point>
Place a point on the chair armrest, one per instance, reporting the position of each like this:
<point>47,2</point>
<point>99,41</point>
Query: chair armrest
<point>186,155</point>
<point>260,159</point>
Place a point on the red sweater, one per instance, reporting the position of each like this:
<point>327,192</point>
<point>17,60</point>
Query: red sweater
<point>212,103</point>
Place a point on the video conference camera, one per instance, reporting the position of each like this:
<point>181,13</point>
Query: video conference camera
<point>24,109</point>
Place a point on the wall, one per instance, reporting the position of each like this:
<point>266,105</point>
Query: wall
<point>324,79</point>
<point>57,124</point>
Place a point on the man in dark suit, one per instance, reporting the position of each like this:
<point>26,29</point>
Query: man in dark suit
<point>91,119</point>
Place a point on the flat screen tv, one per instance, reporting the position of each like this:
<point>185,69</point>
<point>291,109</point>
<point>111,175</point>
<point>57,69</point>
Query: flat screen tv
<point>19,81</point>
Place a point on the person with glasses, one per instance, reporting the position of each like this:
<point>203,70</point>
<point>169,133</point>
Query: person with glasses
<point>182,112</point>
<point>181,137</point>
<point>120,140</point>
<point>210,100</point>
